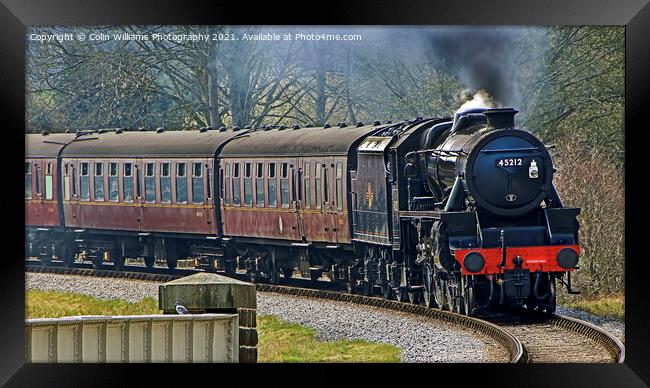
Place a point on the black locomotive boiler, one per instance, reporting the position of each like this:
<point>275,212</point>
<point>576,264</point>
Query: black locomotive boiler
<point>458,213</point>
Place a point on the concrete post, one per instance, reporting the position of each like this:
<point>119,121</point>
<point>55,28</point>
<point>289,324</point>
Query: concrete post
<point>212,293</point>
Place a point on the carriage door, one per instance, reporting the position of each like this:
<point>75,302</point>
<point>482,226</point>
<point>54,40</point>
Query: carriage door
<point>329,198</point>
<point>138,203</point>
<point>70,195</point>
<point>297,195</point>
<point>74,170</point>
<point>37,190</point>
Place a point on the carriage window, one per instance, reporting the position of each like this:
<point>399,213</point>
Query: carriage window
<point>99,181</point>
<point>113,186</point>
<point>150,182</point>
<point>39,175</point>
<point>66,182</point>
<point>165,183</point>
<point>339,186</point>
<point>127,183</point>
<point>181,183</point>
<point>248,185</point>
<point>197,183</point>
<point>210,180</point>
<point>226,185</point>
<point>28,180</point>
<point>319,203</point>
<point>74,180</point>
<point>236,189</point>
<point>259,185</point>
<point>138,189</point>
<point>273,201</point>
<point>284,185</point>
<point>48,181</point>
<point>307,190</point>
<point>85,181</point>
<point>326,194</point>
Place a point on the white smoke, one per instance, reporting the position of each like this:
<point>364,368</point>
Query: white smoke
<point>480,99</point>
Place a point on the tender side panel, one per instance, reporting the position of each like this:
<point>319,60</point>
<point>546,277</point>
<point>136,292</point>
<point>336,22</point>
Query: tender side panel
<point>369,199</point>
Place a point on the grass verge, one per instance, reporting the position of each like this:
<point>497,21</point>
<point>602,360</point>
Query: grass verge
<point>611,306</point>
<point>279,341</point>
<point>55,304</point>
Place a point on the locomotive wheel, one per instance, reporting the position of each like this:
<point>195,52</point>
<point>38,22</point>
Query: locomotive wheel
<point>550,307</point>
<point>350,287</point>
<point>368,288</point>
<point>442,295</point>
<point>460,305</point>
<point>415,297</point>
<point>429,291</point>
<point>387,291</point>
<point>314,275</point>
<point>469,299</point>
<point>401,294</point>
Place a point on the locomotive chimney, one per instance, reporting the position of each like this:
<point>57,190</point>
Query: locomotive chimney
<point>501,118</point>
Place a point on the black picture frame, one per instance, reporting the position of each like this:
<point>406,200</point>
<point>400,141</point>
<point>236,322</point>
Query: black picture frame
<point>634,14</point>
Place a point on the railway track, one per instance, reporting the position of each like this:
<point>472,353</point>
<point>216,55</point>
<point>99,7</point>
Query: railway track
<point>526,337</point>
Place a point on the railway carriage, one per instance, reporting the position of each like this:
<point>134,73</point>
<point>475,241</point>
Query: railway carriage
<point>43,214</point>
<point>140,194</point>
<point>285,199</point>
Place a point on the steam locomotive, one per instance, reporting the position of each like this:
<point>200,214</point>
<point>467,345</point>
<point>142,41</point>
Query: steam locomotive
<point>457,213</point>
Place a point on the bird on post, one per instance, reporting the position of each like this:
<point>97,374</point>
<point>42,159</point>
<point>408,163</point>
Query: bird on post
<point>181,309</point>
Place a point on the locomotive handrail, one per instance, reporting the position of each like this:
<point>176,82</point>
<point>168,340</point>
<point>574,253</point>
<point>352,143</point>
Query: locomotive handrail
<point>511,150</point>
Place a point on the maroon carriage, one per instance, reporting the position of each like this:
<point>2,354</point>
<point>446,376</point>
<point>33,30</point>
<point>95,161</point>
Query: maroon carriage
<point>285,197</point>
<point>141,194</point>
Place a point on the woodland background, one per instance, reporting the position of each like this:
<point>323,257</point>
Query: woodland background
<point>567,83</point>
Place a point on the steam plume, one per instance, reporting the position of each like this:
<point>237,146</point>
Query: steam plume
<point>480,99</point>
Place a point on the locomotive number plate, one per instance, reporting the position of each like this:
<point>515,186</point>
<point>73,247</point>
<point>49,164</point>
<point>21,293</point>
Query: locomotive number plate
<point>512,162</point>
